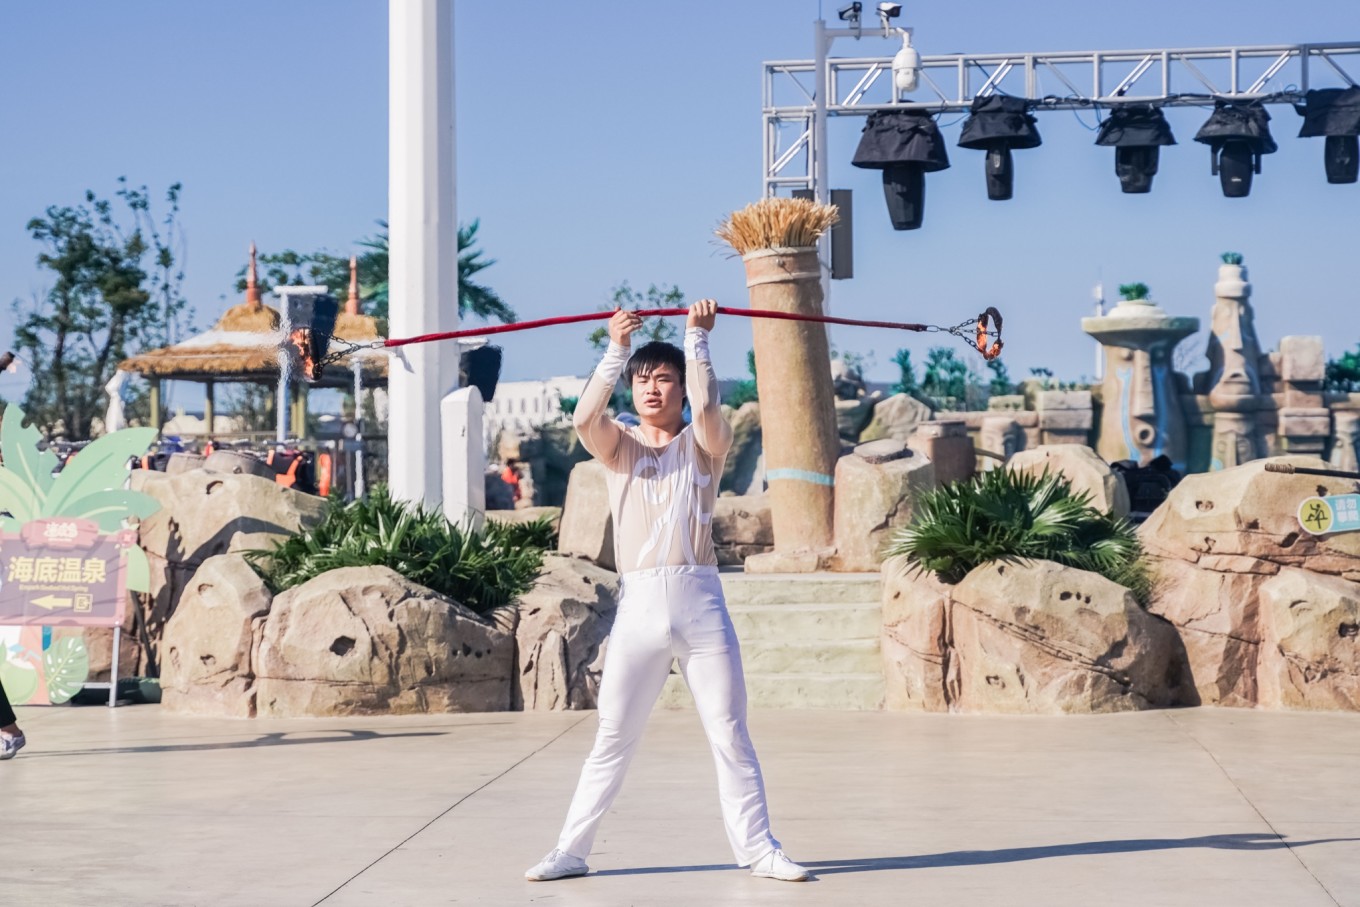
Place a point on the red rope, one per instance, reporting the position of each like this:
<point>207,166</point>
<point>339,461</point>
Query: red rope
<point>601,316</point>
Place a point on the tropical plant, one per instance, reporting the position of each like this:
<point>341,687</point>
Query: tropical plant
<point>1343,374</point>
<point>624,296</point>
<point>1132,292</point>
<point>90,487</point>
<point>946,377</point>
<point>290,267</point>
<point>480,568</point>
<point>745,390</point>
<point>1231,258</point>
<point>1000,383</point>
<point>906,383</point>
<point>116,289</point>
<point>1009,516</point>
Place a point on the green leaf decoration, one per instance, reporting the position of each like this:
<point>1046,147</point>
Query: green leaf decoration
<point>20,682</point>
<point>17,497</point>
<point>67,663</point>
<point>102,466</point>
<point>138,570</point>
<point>110,508</point>
<point>19,444</point>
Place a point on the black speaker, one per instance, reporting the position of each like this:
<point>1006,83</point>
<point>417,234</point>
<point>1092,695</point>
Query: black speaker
<point>842,236</point>
<point>481,368</point>
<point>1136,165</point>
<point>904,188</point>
<point>311,319</point>
<point>1342,157</point>
<point>1000,173</point>
<point>1235,165</point>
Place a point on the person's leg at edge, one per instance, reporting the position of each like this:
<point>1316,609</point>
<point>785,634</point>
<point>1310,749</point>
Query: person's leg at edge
<point>710,660</point>
<point>11,738</point>
<point>636,665</point>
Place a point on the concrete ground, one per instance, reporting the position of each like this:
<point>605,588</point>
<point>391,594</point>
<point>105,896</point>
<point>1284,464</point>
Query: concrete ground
<point>1196,807</point>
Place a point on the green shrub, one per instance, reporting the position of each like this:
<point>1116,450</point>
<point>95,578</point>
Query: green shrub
<point>1009,516</point>
<point>482,569</point>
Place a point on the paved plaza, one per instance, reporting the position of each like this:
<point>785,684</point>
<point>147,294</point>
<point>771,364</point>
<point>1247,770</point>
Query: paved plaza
<point>1193,807</point>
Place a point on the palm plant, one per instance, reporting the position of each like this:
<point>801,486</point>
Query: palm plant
<point>1133,292</point>
<point>1010,516</point>
<point>480,568</point>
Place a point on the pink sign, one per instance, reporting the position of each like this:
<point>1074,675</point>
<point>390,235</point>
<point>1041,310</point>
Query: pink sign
<point>64,572</point>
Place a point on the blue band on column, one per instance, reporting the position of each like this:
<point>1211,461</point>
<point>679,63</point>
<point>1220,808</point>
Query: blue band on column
<point>799,475</point>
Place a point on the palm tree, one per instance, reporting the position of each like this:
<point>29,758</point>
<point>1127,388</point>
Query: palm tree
<point>474,299</point>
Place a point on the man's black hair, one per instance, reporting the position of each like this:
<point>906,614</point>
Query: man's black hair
<point>651,356</point>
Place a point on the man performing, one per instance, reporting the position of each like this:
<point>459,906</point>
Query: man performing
<point>663,479</point>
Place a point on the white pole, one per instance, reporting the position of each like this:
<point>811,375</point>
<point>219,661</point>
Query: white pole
<point>821,190</point>
<point>423,229</point>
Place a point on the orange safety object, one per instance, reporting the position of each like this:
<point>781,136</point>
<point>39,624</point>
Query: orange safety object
<point>287,479</point>
<point>323,474</point>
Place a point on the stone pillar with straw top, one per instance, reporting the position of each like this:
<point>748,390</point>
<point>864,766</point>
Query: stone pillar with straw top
<point>777,239</point>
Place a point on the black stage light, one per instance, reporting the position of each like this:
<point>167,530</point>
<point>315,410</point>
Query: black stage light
<point>998,124</point>
<point>1237,134</point>
<point>481,368</point>
<point>1136,132</point>
<point>906,146</point>
<point>1334,113</point>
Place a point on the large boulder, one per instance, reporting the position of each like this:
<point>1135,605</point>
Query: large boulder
<point>587,527</point>
<point>895,417</point>
<point>1083,467</point>
<point>1216,543</point>
<point>208,642</point>
<point>1311,629</point>
<point>743,473</point>
<point>1035,637</point>
<point>742,527</point>
<point>852,417</point>
<point>877,488</point>
<point>915,644</point>
<point>367,641</point>
<point>204,514</point>
<point>564,622</point>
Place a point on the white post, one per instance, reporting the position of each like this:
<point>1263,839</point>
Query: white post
<point>423,229</point>
<point>464,457</point>
<point>821,189</point>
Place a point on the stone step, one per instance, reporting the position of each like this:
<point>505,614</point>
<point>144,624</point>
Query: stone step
<point>807,622</point>
<point>845,656</point>
<point>800,588</point>
<point>844,692</point>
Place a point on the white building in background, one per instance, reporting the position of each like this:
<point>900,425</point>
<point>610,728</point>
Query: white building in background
<point>521,406</point>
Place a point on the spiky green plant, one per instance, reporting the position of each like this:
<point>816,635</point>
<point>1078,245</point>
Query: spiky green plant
<point>482,568</point>
<point>1134,291</point>
<point>1232,258</point>
<point>1009,516</point>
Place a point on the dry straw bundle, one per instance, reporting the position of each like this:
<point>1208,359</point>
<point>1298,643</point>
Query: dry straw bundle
<point>777,223</point>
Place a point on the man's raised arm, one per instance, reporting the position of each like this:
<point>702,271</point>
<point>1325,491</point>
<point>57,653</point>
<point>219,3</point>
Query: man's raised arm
<point>600,434</point>
<point>701,383</point>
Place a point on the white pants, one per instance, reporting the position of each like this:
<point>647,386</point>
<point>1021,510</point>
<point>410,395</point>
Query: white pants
<point>666,613</point>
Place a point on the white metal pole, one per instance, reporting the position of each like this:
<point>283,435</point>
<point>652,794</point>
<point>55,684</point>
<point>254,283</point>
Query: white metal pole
<point>820,159</point>
<point>423,275</point>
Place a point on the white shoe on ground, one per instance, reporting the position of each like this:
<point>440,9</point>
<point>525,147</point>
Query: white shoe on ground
<point>774,865</point>
<point>10,746</point>
<point>557,865</point>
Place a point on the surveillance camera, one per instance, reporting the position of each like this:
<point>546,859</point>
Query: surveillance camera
<point>890,10</point>
<point>850,12</point>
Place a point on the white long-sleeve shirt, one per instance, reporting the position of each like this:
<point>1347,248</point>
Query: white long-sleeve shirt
<point>661,497</point>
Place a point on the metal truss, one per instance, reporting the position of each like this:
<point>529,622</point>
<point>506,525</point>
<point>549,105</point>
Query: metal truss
<point>795,118</point>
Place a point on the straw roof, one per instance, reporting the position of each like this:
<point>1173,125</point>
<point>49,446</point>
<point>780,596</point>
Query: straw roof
<point>244,346</point>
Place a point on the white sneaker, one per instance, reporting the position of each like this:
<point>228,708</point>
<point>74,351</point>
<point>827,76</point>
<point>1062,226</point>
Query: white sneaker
<point>557,865</point>
<point>10,746</point>
<point>774,865</point>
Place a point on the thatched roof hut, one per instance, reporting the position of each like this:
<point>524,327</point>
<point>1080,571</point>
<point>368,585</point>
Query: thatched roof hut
<point>243,346</point>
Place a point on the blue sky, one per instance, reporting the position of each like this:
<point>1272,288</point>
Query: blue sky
<point>601,142</point>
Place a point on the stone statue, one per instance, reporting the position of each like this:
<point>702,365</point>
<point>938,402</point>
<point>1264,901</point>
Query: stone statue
<point>1234,378</point>
<point>1142,417</point>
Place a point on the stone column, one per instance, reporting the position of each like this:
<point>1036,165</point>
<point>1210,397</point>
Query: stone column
<point>1234,377</point>
<point>1346,439</point>
<point>798,413</point>
<point>1304,421</point>
<point>1142,417</point>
